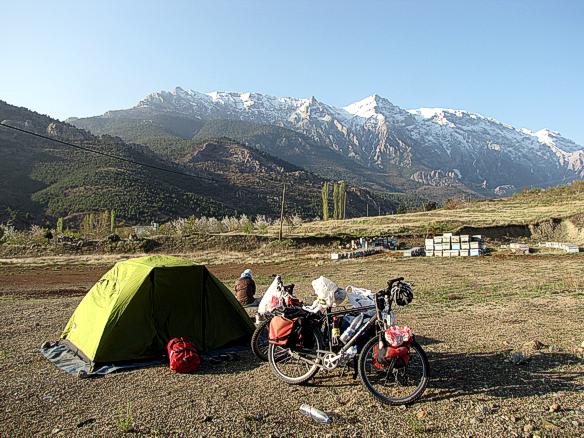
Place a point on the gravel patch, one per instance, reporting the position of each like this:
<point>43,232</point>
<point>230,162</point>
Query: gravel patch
<point>474,388</point>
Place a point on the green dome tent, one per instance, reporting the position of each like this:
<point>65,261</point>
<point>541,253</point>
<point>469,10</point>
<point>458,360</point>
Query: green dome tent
<point>140,304</point>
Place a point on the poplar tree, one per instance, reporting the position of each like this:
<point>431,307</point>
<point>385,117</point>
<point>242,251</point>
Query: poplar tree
<point>112,221</point>
<point>90,223</point>
<point>325,204</point>
<point>104,222</point>
<point>335,201</point>
<point>342,199</point>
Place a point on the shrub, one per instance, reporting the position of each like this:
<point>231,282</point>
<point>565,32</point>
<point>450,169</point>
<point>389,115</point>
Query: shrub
<point>452,204</point>
<point>214,225</point>
<point>430,205</point>
<point>261,223</point>
<point>125,421</point>
<point>177,226</point>
<point>296,220</point>
<point>245,224</point>
<point>230,223</point>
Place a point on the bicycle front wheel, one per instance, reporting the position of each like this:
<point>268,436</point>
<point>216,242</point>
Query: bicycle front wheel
<point>294,367</point>
<point>394,386</point>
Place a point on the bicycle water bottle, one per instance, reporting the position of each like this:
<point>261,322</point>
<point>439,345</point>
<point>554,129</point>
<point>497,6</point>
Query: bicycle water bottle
<point>315,414</point>
<point>336,331</point>
<point>352,329</point>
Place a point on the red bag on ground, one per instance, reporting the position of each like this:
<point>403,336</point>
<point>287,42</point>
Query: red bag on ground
<point>183,356</point>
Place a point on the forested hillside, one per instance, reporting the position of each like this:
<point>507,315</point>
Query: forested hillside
<point>42,180</point>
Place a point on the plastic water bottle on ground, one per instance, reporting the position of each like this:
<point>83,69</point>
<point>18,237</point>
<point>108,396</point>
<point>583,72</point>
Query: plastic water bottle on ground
<point>315,414</point>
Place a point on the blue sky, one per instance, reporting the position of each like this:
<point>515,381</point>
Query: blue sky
<point>521,62</point>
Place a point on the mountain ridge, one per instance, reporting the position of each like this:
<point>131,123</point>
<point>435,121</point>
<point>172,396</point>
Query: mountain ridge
<point>41,179</point>
<point>409,150</point>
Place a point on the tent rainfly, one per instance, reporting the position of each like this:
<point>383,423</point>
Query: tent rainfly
<point>140,304</point>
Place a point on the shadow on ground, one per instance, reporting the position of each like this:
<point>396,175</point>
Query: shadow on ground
<point>244,361</point>
<point>493,375</point>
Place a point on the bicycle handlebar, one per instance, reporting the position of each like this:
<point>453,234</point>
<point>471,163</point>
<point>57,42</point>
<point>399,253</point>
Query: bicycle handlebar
<point>395,280</point>
<point>389,285</point>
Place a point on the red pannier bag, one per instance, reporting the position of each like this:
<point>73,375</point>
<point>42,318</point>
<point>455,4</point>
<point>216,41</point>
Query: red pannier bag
<point>281,329</point>
<point>395,346</point>
<point>183,356</point>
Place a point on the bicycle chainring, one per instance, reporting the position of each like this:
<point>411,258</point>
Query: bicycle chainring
<point>330,361</point>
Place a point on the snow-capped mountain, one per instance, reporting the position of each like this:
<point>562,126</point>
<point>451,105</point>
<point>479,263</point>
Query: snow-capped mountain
<point>429,146</point>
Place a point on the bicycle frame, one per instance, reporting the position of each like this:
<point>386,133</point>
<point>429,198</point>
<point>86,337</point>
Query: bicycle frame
<point>377,319</point>
<point>383,301</point>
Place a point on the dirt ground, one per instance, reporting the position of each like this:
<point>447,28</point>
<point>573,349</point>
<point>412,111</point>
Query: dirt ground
<point>470,314</point>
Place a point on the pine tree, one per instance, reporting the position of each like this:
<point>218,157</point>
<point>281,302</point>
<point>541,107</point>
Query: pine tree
<point>325,204</point>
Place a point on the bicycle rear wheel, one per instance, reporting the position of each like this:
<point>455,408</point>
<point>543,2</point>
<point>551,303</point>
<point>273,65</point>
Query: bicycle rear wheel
<point>294,370</point>
<point>260,340</point>
<point>397,386</point>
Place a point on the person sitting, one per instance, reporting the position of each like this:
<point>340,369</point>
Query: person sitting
<point>245,289</point>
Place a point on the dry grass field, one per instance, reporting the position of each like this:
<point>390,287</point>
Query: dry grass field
<point>525,208</point>
<point>470,314</point>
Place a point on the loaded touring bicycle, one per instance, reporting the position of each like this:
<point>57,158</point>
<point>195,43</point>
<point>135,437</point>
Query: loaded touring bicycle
<point>391,364</point>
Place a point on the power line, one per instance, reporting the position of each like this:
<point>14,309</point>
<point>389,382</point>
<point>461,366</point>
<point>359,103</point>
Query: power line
<point>117,157</point>
<point>106,154</point>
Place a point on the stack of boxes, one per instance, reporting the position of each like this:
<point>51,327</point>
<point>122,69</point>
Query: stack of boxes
<point>367,242</point>
<point>568,247</point>
<point>354,254</point>
<point>449,245</point>
<point>519,248</point>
